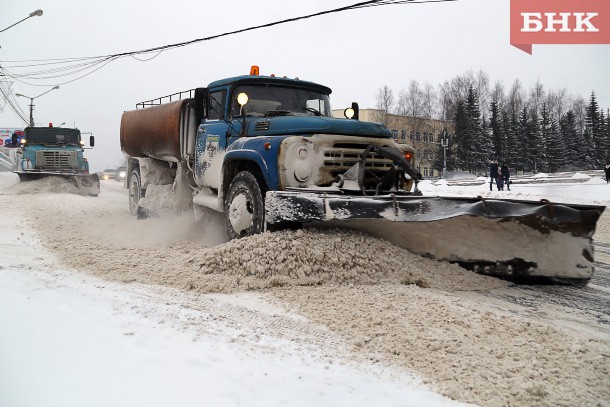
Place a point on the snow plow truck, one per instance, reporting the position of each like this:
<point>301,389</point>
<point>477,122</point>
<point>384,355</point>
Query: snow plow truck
<point>46,151</point>
<point>266,152</point>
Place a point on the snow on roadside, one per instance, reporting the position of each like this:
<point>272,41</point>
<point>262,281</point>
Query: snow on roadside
<point>595,191</point>
<point>8,179</point>
<point>580,175</point>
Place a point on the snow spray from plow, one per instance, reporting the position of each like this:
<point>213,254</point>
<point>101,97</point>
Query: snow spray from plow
<point>502,237</point>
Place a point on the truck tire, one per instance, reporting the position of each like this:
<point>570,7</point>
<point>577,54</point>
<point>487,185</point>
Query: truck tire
<point>244,209</point>
<point>135,194</point>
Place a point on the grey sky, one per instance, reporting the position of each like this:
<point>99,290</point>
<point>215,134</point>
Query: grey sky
<point>353,52</point>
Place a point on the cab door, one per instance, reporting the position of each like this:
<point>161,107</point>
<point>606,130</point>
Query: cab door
<point>211,141</point>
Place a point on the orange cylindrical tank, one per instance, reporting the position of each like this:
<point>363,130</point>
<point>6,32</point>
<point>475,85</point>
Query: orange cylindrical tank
<point>154,131</point>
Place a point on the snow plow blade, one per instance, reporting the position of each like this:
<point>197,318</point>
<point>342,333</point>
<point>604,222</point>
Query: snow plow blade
<point>503,237</point>
<point>87,184</point>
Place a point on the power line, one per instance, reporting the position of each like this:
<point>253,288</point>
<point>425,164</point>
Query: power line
<point>68,67</point>
<point>11,101</point>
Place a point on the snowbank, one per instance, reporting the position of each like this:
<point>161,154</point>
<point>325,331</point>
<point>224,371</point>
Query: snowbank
<point>8,179</point>
<point>579,175</point>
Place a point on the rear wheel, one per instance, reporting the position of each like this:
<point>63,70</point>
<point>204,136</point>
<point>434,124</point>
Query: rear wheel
<point>244,207</point>
<point>135,193</point>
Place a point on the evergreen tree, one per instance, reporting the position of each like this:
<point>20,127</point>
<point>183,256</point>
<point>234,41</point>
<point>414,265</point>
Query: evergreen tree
<point>525,131</point>
<point>602,142</point>
<point>572,140</point>
<point>437,163</point>
<point>512,150</point>
<point>607,161</point>
<point>536,157</point>
<point>587,149</point>
<point>547,133</point>
<point>555,149</point>
<point>497,130</point>
<point>480,142</point>
<point>593,135</point>
<point>462,137</point>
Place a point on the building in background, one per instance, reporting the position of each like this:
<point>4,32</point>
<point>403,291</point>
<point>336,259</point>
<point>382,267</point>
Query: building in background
<point>423,134</point>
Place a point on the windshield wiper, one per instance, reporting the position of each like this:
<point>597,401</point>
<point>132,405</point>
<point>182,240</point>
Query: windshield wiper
<point>272,113</point>
<point>312,110</point>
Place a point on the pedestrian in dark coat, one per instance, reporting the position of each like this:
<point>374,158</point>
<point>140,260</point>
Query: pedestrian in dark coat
<point>493,174</point>
<point>607,171</point>
<point>505,176</point>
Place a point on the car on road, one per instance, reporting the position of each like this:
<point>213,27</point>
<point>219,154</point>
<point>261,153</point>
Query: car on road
<point>121,174</point>
<point>107,174</point>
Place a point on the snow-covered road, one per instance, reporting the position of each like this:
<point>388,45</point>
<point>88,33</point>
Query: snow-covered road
<point>97,308</point>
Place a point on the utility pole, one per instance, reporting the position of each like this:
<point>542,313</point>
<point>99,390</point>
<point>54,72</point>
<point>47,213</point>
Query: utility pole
<point>32,102</point>
<point>445,144</point>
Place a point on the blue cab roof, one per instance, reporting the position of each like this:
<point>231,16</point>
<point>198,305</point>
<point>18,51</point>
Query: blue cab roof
<point>271,80</point>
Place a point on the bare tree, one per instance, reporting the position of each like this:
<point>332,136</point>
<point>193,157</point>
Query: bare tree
<point>557,101</point>
<point>497,94</point>
<point>412,104</point>
<point>410,100</point>
<point>429,99</point>
<point>481,85</point>
<point>385,103</point>
<point>536,98</point>
<point>579,108</point>
<point>516,98</point>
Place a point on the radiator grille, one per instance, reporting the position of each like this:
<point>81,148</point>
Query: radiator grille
<point>56,160</point>
<point>341,159</point>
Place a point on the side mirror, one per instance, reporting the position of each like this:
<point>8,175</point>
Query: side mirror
<point>91,141</point>
<point>200,103</point>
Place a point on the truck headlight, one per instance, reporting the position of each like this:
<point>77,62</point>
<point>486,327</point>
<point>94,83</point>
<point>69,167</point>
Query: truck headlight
<point>302,171</point>
<point>299,162</point>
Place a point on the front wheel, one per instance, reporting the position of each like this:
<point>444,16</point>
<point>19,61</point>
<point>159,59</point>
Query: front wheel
<point>244,208</point>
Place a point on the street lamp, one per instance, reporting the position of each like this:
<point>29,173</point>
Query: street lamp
<point>32,102</point>
<point>32,14</point>
<point>445,144</point>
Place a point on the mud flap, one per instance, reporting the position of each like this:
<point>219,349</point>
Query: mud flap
<point>494,236</point>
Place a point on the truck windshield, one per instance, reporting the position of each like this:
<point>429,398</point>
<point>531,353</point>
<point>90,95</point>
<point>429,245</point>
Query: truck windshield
<point>267,100</point>
<point>52,135</point>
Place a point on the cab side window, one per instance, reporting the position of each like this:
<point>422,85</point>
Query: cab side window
<point>216,108</point>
